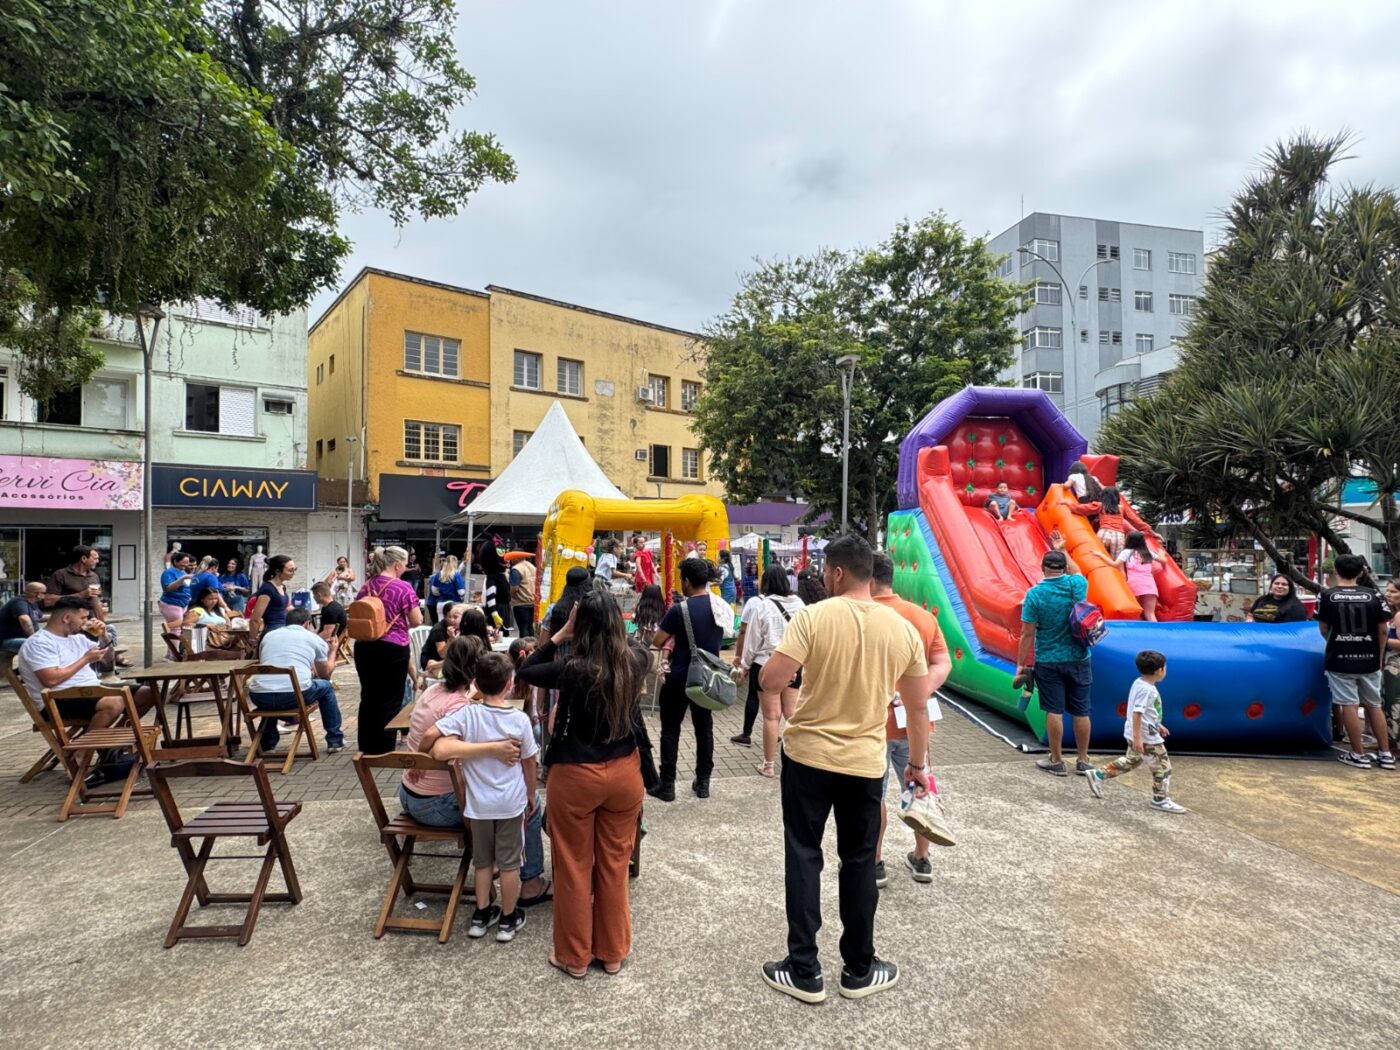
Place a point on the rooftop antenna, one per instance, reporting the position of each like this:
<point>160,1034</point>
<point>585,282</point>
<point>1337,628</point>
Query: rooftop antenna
<point>1023,205</point>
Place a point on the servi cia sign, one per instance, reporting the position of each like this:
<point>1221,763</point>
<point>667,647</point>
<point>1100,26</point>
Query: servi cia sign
<point>228,488</point>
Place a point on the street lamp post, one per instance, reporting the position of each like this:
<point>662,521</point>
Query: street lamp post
<point>846,368</point>
<point>1072,291</point>
<point>350,505</point>
<point>148,346</point>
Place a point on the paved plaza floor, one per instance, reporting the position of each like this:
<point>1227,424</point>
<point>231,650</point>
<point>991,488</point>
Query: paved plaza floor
<point>1264,918</point>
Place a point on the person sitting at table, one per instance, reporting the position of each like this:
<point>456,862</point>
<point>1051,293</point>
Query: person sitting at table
<point>473,622</point>
<point>333,618</point>
<point>79,578</point>
<point>236,586</point>
<point>21,617</point>
<point>207,575</point>
<point>297,646</point>
<point>61,655</point>
<point>435,647</point>
<point>208,611</point>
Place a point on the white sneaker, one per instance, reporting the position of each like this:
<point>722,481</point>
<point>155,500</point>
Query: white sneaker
<point>1166,805</point>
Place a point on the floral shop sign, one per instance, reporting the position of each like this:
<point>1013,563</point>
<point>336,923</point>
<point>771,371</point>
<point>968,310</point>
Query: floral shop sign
<point>71,484</point>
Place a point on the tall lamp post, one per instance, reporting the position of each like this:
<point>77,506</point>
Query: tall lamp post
<point>1072,292</point>
<point>846,368</point>
<point>350,504</point>
<point>148,346</point>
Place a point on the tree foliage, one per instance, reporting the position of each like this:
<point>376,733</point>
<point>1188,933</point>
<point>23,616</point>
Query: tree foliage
<point>1290,369</point>
<point>179,151</point>
<point>926,316</point>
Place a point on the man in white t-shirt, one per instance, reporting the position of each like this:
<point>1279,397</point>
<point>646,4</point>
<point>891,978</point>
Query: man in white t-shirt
<point>299,647</point>
<point>61,655</point>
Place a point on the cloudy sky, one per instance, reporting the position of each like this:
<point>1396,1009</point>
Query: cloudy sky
<point>664,144</point>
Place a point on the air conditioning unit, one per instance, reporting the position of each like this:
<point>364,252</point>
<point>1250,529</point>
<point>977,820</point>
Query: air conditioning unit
<point>646,395</point>
<point>640,455</point>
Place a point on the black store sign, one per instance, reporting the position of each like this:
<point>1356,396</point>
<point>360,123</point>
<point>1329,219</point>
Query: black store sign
<point>229,488</point>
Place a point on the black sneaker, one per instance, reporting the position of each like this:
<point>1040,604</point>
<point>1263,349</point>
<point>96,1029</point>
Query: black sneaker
<point>743,740</point>
<point>780,975</point>
<point>483,919</point>
<point>919,867</point>
<point>664,791</point>
<point>881,879</point>
<point>701,787</point>
<point>1352,758</point>
<point>510,925</point>
<point>882,977</point>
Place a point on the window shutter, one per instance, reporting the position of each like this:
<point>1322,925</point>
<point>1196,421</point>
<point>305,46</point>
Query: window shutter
<point>237,414</point>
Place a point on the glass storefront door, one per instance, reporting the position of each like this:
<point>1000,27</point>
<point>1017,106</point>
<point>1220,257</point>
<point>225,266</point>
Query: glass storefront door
<point>36,552</point>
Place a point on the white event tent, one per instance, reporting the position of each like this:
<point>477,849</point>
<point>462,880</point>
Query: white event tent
<point>552,460</point>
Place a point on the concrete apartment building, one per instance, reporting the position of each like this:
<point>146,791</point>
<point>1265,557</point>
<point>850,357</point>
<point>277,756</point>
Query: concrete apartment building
<point>441,386</point>
<point>228,448</point>
<point>1108,302</point>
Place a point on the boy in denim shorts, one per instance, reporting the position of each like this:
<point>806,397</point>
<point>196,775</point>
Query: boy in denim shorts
<point>1353,621</point>
<point>498,794</point>
<point>1060,665</point>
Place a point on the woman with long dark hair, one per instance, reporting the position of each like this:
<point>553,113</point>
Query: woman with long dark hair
<point>426,795</point>
<point>595,757</point>
<point>269,610</point>
<point>1280,605</point>
<point>651,606</point>
<point>383,664</point>
<point>764,632</point>
<point>575,587</point>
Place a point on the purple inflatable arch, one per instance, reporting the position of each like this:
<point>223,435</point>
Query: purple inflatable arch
<point>1060,444</point>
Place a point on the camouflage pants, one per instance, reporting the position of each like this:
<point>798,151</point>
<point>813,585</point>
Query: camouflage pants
<point>1157,760</point>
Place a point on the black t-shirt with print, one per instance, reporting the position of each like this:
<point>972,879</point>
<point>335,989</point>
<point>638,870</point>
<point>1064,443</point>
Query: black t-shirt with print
<point>1355,620</point>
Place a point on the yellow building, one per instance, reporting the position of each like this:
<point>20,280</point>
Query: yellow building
<point>628,387</point>
<point>442,385</point>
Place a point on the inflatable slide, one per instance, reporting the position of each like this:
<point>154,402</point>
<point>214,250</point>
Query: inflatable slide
<point>1229,687</point>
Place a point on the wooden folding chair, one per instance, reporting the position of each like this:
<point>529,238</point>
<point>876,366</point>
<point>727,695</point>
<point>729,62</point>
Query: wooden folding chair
<point>256,717</point>
<point>129,737</point>
<point>264,821</point>
<point>53,757</point>
<point>401,854</point>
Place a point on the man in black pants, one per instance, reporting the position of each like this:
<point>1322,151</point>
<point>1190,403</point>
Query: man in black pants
<point>855,654</point>
<point>695,585</point>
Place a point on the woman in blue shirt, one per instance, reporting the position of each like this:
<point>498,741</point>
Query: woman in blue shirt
<point>175,589</point>
<point>235,586</point>
<point>727,590</point>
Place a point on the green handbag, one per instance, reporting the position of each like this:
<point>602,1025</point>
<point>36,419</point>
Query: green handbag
<point>709,681</point>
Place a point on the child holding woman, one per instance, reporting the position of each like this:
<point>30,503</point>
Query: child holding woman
<point>1140,565</point>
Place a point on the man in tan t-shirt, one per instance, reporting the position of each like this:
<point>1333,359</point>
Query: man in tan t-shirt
<point>854,654</point>
<point>522,598</point>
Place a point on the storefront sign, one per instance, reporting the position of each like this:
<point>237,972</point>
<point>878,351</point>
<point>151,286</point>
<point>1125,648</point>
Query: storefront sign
<point>408,497</point>
<point>231,488</point>
<point>74,484</point>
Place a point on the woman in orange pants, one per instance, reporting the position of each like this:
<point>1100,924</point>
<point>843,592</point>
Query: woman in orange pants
<point>597,750</point>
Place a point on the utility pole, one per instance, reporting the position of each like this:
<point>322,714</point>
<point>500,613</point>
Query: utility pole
<point>156,314</point>
<point>846,368</point>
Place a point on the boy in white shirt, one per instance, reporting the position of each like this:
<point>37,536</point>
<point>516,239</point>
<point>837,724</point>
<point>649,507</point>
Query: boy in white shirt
<point>1145,734</point>
<point>498,795</point>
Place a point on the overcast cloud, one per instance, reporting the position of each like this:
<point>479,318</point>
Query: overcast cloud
<point>663,145</point>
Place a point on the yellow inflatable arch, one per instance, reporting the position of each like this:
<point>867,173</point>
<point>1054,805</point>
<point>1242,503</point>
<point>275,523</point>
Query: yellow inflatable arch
<point>575,516</point>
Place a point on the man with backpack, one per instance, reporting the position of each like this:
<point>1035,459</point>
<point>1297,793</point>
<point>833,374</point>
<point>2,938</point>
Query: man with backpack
<point>1059,662</point>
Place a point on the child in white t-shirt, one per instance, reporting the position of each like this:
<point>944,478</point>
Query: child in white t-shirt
<point>1145,734</point>
<point>498,793</point>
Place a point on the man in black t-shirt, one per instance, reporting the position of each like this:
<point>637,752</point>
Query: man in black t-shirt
<point>333,617</point>
<point>1352,619</point>
<point>695,585</point>
<point>21,617</point>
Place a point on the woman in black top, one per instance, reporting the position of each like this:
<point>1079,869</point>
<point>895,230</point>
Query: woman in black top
<point>596,754</point>
<point>1280,605</point>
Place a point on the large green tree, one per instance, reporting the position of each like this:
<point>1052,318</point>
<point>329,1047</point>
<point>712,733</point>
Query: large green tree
<point>923,311</point>
<point>181,150</point>
<point>1290,370</point>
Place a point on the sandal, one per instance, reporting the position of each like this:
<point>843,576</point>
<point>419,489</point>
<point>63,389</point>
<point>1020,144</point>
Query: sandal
<point>577,975</point>
<point>540,898</point>
<point>611,971</point>
<point>766,769</point>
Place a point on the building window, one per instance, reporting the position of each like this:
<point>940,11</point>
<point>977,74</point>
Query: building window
<point>690,464</point>
<point>518,440</point>
<point>1050,382</point>
<point>1103,338</point>
<point>1115,295</point>
<point>211,409</point>
<point>690,395</point>
<point>429,355</point>
<point>1084,335</point>
<point>527,370</point>
<point>277,406</point>
<point>330,366</point>
<point>570,377</point>
<point>4,391</point>
<point>1181,262</point>
<point>64,409</point>
<point>1142,259</point>
<point>1142,301</point>
<point>330,445</point>
<point>1117,338</point>
<point>320,374</point>
<point>1043,338</point>
<point>430,442</point>
<point>1103,294</point>
<point>1142,343</point>
<point>1182,305</point>
<point>660,390</point>
<point>1108,251</point>
<point>320,448</point>
<point>1114,398</point>
<point>1084,291</point>
<point>660,466</point>
<point>1007,267</point>
<point>1047,294</point>
<point>1049,249</point>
